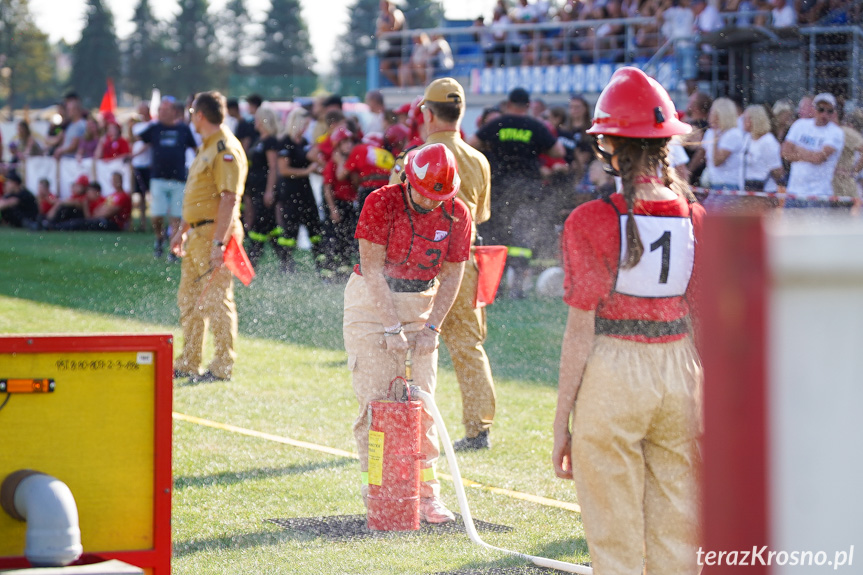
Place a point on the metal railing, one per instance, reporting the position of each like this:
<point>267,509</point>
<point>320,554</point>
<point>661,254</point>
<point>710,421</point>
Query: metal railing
<point>622,40</point>
<point>832,53</point>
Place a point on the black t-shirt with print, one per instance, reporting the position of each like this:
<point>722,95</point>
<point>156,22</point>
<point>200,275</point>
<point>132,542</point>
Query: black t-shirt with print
<point>259,168</point>
<point>168,145</point>
<point>513,144</point>
<point>295,152</point>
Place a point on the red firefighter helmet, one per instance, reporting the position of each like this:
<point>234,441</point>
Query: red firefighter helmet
<point>634,105</point>
<point>396,134</point>
<point>375,139</point>
<point>432,172</point>
<point>340,134</point>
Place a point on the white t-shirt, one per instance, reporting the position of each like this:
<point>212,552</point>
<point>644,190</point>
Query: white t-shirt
<point>784,17</point>
<point>709,20</point>
<point>676,154</point>
<point>728,174</point>
<point>677,23</point>
<point>141,160</point>
<point>808,179</point>
<point>760,157</point>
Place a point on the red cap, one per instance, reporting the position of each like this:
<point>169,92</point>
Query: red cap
<point>83,180</point>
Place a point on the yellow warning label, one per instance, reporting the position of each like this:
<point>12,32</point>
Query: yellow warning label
<point>376,457</point>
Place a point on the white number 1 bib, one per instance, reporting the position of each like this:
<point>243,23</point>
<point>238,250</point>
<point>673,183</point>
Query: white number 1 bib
<point>666,265</point>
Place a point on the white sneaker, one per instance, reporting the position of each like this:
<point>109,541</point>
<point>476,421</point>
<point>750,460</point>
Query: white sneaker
<point>432,510</point>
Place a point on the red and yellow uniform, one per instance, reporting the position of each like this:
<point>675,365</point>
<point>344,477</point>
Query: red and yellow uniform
<point>370,168</point>
<point>636,418</point>
<point>417,245</point>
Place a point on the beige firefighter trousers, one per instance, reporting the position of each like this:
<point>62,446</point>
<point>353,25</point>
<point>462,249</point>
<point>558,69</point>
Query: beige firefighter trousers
<point>464,331</point>
<point>373,367</point>
<point>216,307</point>
<point>635,457</point>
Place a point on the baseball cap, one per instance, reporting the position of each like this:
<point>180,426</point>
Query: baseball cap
<point>444,90</point>
<point>403,109</point>
<point>825,97</point>
<point>519,96</point>
<point>13,177</point>
<point>83,181</point>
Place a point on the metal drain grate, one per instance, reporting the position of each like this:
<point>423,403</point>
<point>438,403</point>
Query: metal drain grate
<point>352,527</point>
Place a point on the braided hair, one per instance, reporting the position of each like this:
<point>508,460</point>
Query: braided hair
<point>638,157</point>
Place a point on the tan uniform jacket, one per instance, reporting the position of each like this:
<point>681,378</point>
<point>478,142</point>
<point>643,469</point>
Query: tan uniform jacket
<point>220,166</point>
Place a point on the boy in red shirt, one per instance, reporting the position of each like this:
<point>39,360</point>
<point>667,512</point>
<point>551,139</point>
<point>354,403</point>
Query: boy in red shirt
<point>44,196</point>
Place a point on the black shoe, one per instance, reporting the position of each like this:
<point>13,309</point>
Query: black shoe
<point>172,259</point>
<point>157,249</point>
<point>181,374</point>
<point>481,441</point>
<point>207,377</point>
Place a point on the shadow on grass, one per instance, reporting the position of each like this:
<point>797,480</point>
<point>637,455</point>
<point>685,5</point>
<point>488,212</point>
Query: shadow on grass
<point>235,477</point>
<point>116,274</point>
<point>258,539</point>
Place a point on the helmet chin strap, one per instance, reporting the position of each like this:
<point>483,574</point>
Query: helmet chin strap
<point>418,208</point>
<point>605,158</point>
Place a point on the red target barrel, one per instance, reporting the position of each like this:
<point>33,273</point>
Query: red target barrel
<point>394,465</point>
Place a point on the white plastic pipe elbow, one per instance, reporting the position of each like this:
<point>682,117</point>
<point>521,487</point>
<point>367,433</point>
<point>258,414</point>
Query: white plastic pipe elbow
<point>48,507</point>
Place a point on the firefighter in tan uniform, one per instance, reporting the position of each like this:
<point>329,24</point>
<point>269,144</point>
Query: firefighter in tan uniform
<point>211,215</point>
<point>627,353</point>
<point>464,330</point>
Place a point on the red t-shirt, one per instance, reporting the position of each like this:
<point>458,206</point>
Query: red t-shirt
<point>114,148</point>
<point>47,203</point>
<point>654,290</point>
<point>124,201</point>
<point>372,164</point>
<point>417,244</point>
<point>95,203</point>
<point>325,147</point>
<point>343,190</point>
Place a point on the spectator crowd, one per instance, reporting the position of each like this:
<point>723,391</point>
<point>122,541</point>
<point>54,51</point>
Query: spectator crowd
<point>589,29</point>
<point>784,154</point>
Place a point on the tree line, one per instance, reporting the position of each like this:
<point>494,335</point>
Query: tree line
<point>197,49</point>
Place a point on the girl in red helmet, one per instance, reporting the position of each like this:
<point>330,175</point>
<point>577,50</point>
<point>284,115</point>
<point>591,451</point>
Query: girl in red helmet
<point>414,239</point>
<point>628,356</point>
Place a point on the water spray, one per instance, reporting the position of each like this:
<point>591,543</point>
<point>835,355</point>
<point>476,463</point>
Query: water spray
<point>462,497</point>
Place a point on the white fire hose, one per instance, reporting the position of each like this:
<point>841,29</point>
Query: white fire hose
<point>462,498</point>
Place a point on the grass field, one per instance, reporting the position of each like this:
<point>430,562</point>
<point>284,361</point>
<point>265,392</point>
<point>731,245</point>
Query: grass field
<point>291,381</point>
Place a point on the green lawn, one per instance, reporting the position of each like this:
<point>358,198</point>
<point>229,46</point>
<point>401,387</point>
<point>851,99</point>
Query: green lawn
<point>291,381</point>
